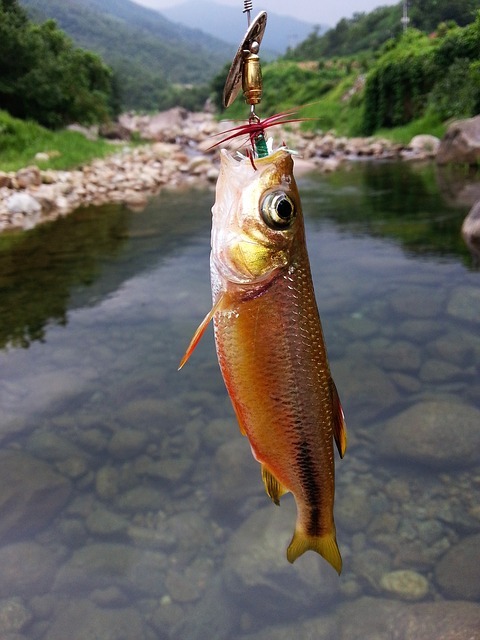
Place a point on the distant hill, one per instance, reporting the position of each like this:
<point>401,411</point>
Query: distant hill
<point>228,23</point>
<point>147,51</point>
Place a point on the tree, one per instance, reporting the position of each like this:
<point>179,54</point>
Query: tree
<point>44,77</point>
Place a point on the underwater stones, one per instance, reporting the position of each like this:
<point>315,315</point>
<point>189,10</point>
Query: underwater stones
<point>236,475</point>
<point>30,494</point>
<point>27,568</point>
<point>82,620</point>
<point>367,383</point>
<point>353,510</point>
<point>102,565</point>
<point>126,443</point>
<point>464,303</point>
<point>458,572</point>
<point>14,616</point>
<point>382,619</point>
<point>405,584</point>
<point>419,302</point>
<point>258,573</point>
<point>321,628</point>
<point>436,433</point>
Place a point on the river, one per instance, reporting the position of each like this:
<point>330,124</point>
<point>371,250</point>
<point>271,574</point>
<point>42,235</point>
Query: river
<point>130,505</point>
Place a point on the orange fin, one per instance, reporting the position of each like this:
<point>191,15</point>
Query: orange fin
<point>197,336</point>
<point>273,487</point>
<point>325,545</point>
<point>339,424</point>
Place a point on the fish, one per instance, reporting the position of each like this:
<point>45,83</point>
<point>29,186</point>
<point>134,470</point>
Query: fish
<point>270,344</point>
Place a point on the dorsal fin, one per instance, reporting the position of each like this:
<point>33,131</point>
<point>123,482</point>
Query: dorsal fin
<point>339,424</point>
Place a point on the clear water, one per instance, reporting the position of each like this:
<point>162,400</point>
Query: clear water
<point>130,506</point>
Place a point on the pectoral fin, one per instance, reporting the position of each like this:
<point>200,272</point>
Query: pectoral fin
<point>197,336</point>
<point>339,425</point>
<point>273,487</point>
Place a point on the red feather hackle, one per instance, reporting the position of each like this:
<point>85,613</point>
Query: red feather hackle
<point>255,128</point>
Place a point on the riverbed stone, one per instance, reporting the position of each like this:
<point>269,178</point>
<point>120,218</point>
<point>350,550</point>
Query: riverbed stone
<point>458,572</point>
<point>26,569</point>
<point>419,302</point>
<point>31,494</point>
<point>383,619</point>
<point>436,433</point>
<point>14,616</point>
<point>464,303</point>
<point>353,509</point>
<point>258,574</point>
<point>82,620</point>
<point>405,584</point>
<point>126,443</point>
<point>101,565</point>
<point>236,475</point>
<point>367,384</point>
<point>319,628</point>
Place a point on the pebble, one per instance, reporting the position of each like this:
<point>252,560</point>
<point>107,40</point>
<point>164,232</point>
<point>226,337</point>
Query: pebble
<point>405,584</point>
<point>133,174</point>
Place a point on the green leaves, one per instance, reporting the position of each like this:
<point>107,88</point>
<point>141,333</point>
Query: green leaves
<point>45,78</point>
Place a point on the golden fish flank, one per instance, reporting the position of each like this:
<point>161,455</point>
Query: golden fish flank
<point>270,344</point>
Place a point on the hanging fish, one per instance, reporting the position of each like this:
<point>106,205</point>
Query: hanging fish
<point>269,340</point>
<point>267,328</point>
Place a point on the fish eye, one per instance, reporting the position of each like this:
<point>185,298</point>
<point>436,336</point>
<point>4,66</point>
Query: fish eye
<point>278,210</point>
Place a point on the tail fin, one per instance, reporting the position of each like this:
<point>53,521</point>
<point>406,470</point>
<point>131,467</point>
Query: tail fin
<point>325,545</point>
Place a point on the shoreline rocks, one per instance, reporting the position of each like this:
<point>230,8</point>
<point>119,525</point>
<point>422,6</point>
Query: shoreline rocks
<point>178,155</point>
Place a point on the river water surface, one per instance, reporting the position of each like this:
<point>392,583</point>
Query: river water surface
<point>130,505</point>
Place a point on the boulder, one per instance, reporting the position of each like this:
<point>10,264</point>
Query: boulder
<point>471,230</point>
<point>458,572</point>
<point>436,433</point>
<point>461,143</point>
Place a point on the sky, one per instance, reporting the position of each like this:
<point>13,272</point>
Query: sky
<point>328,13</point>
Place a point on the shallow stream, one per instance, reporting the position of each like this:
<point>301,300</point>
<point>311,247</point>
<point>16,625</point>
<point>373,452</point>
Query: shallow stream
<point>130,505</point>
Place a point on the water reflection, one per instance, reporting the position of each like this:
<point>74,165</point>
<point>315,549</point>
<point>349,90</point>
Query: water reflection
<point>130,505</point>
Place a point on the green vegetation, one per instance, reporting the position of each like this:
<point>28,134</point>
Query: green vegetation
<point>411,84</point>
<point>20,140</point>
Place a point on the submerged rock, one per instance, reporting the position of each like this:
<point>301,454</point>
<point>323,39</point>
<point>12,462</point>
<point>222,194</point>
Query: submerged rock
<point>82,620</point>
<point>405,584</point>
<point>30,494</point>
<point>384,619</point>
<point>26,569</point>
<point>458,572</point>
<point>258,574</point>
<point>435,433</point>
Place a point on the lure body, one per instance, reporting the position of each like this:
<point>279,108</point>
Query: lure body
<point>270,344</point>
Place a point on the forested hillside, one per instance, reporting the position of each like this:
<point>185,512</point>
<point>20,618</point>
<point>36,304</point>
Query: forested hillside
<point>148,54</point>
<point>368,31</point>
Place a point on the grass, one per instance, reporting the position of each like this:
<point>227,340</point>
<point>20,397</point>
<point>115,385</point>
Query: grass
<point>21,140</point>
<point>428,124</point>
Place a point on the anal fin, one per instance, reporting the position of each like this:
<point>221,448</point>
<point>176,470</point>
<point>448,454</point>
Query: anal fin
<point>275,490</point>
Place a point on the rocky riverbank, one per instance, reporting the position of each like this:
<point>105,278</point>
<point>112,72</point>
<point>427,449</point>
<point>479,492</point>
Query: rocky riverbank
<point>179,154</point>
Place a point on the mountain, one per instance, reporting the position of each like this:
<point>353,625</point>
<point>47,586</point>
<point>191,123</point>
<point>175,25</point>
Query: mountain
<point>147,51</point>
<point>228,23</point>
